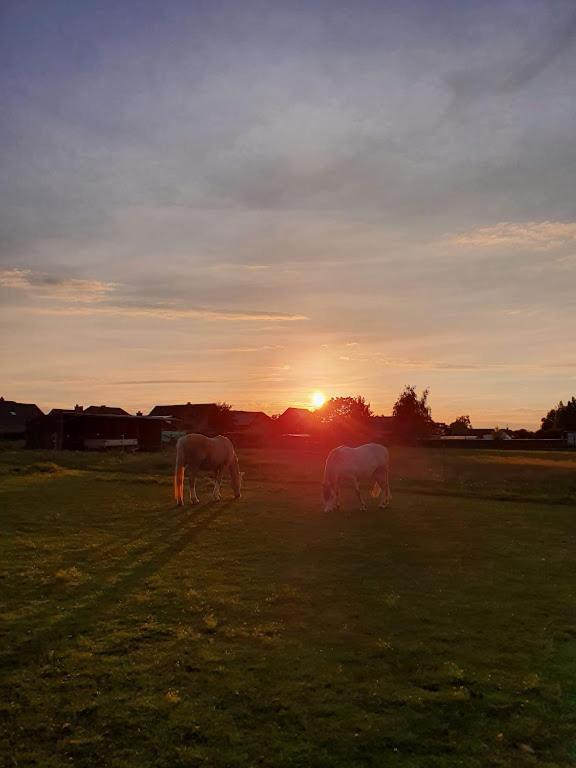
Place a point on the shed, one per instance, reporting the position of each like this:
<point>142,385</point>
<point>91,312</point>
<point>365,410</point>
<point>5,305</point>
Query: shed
<point>81,431</point>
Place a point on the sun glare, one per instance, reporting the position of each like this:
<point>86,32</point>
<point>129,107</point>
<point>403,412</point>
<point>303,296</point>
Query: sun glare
<point>318,399</point>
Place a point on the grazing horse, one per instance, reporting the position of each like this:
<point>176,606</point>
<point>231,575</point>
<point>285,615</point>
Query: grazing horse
<point>198,452</point>
<point>351,465</point>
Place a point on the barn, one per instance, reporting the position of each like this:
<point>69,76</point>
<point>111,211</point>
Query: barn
<point>81,431</point>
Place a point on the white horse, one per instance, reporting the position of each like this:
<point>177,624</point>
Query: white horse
<point>352,465</point>
<point>198,452</point>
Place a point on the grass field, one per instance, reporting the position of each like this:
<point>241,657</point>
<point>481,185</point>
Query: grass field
<point>441,632</point>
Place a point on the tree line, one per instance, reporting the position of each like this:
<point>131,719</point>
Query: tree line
<point>412,418</point>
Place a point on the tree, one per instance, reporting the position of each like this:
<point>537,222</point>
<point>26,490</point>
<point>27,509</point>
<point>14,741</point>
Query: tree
<point>344,420</point>
<point>460,426</point>
<point>412,415</point>
<point>548,421</point>
<point>350,408</point>
<point>562,418</point>
<point>223,417</point>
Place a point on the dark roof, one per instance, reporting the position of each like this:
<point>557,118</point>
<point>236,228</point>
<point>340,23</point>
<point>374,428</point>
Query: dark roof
<point>478,431</point>
<point>296,412</point>
<point>297,419</point>
<point>182,411</point>
<point>194,417</point>
<point>14,416</point>
<point>83,415</point>
<point>188,412</point>
<point>105,410</point>
<point>247,419</point>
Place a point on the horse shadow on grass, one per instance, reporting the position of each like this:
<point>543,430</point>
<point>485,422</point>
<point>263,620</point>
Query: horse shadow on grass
<point>78,620</point>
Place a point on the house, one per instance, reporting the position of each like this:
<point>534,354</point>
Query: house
<point>571,439</point>
<point>489,433</point>
<point>296,421</point>
<point>254,422</point>
<point>81,431</point>
<point>250,428</point>
<point>203,418</point>
<point>106,410</point>
<point>382,427</point>
<point>76,409</point>
<point>14,417</point>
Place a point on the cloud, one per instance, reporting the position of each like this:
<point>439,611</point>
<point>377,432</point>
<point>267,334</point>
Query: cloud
<point>512,75</point>
<point>534,235</point>
<point>50,287</point>
<point>137,382</point>
<point>454,366</point>
<point>246,350</point>
<point>169,313</point>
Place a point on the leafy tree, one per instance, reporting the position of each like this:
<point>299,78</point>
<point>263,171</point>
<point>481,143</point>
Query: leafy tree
<point>223,417</point>
<point>562,418</point>
<point>349,408</point>
<point>460,426</point>
<point>548,421</point>
<point>344,420</point>
<point>412,415</point>
<point>523,434</point>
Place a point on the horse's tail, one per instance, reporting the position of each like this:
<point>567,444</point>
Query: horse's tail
<point>376,490</point>
<point>179,473</point>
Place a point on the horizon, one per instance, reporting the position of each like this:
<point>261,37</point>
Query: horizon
<point>146,410</point>
<point>207,202</point>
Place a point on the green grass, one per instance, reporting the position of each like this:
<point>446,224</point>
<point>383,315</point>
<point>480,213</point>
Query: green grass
<point>441,632</point>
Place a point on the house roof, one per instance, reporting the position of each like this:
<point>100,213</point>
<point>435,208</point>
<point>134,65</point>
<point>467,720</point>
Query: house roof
<point>104,410</point>
<point>246,419</point>
<point>14,416</point>
<point>186,410</point>
<point>480,431</point>
<point>297,419</point>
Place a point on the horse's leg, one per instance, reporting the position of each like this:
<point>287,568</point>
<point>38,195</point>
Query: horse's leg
<point>359,494</point>
<point>381,478</point>
<point>217,480</point>
<point>192,472</point>
<point>178,485</point>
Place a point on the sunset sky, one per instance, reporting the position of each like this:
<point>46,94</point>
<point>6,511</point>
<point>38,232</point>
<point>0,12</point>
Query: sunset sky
<point>251,201</point>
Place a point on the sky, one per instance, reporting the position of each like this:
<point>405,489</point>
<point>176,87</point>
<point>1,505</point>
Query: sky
<point>247,202</point>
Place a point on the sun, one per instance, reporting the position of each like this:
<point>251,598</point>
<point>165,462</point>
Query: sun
<point>318,399</point>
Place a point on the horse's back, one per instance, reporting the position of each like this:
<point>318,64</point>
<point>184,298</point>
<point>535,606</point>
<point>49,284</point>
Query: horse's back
<point>373,453</point>
<point>205,452</point>
<point>363,460</point>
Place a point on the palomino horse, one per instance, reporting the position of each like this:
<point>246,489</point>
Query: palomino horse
<point>198,452</point>
<point>351,465</point>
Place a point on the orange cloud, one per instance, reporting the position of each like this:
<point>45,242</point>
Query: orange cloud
<point>540,236</point>
<point>169,313</point>
<point>47,287</point>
